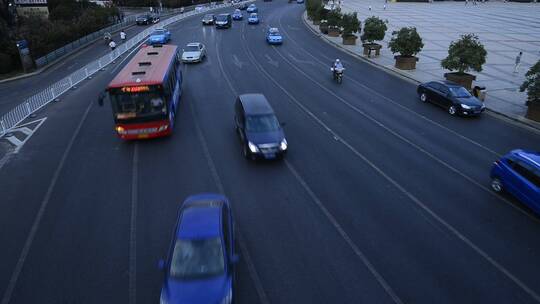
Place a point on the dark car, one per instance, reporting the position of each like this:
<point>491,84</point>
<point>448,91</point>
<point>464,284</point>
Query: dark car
<point>243,6</point>
<point>208,19</point>
<point>260,132</point>
<point>202,256</point>
<point>223,21</point>
<point>452,97</point>
<point>518,172</point>
<point>146,19</point>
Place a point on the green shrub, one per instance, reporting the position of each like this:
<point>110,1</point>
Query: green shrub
<point>407,42</point>
<point>465,54</point>
<point>374,29</point>
<point>532,84</point>
<point>350,24</point>
<point>334,18</point>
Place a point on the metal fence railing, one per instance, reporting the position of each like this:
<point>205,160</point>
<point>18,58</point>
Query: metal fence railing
<point>12,118</point>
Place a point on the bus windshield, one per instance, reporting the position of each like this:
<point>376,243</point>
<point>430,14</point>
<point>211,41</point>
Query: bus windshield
<point>138,106</point>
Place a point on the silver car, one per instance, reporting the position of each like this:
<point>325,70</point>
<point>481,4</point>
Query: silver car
<point>194,52</point>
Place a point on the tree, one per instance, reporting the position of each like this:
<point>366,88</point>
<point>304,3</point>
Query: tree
<point>350,24</point>
<point>532,84</point>
<point>407,42</point>
<point>334,18</point>
<point>465,54</point>
<point>374,29</point>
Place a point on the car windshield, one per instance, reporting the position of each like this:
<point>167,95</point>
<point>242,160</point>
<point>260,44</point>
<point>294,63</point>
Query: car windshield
<point>209,17</point>
<point>191,48</point>
<point>222,18</point>
<point>459,92</point>
<point>253,15</point>
<point>237,11</point>
<point>159,32</point>
<point>197,258</point>
<point>262,123</point>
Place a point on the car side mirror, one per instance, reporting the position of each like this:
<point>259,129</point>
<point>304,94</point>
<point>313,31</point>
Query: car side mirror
<point>101,97</point>
<point>161,264</point>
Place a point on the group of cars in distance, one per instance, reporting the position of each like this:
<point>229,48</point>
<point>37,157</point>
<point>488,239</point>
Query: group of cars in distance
<point>146,19</point>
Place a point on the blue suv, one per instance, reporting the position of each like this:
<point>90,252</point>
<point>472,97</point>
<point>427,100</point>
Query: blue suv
<point>202,257</point>
<point>518,172</point>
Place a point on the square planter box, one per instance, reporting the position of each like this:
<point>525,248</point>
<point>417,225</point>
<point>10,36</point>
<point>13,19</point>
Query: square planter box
<point>464,79</point>
<point>333,32</point>
<point>370,47</point>
<point>406,62</point>
<point>533,111</point>
<point>349,40</point>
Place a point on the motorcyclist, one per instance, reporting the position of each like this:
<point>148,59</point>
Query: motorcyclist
<point>112,45</point>
<point>107,37</point>
<point>122,36</point>
<point>337,67</point>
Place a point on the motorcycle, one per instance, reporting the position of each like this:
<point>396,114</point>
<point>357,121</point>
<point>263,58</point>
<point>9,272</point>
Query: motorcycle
<point>338,74</point>
<point>107,38</point>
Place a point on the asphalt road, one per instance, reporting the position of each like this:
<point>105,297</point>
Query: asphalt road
<point>381,199</point>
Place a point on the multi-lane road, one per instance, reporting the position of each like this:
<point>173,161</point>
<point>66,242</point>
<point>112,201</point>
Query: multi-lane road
<point>381,199</point>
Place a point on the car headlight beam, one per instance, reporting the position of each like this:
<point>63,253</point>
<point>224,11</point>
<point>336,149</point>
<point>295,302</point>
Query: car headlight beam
<point>283,145</point>
<point>253,148</point>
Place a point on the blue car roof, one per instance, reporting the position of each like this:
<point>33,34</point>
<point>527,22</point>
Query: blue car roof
<point>200,216</point>
<point>530,157</point>
<point>199,221</point>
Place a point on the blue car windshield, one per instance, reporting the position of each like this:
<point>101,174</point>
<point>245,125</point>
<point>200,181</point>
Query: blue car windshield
<point>262,123</point>
<point>197,258</point>
<point>459,92</point>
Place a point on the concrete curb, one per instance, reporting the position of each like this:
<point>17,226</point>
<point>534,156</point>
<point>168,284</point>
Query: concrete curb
<point>518,119</point>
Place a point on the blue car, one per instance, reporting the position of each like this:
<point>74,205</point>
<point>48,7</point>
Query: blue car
<point>252,8</point>
<point>159,36</point>
<point>253,18</point>
<point>237,15</point>
<point>518,172</point>
<point>273,36</point>
<point>202,257</point>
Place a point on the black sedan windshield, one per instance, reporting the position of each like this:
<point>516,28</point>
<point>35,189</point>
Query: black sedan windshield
<point>197,258</point>
<point>262,123</point>
<point>459,92</point>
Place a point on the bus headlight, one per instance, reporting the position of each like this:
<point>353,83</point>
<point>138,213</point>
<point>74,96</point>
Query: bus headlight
<point>120,130</point>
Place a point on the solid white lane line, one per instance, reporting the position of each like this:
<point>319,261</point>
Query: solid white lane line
<point>367,88</point>
<point>37,221</point>
<point>217,180</point>
<point>376,274</point>
<point>402,189</point>
<point>133,226</point>
<point>409,142</point>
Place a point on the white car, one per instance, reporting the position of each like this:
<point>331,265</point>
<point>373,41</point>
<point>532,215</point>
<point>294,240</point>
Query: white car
<point>199,8</point>
<point>194,52</point>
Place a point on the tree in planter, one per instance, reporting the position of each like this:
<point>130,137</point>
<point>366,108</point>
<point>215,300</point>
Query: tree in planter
<point>464,55</point>
<point>351,25</point>
<point>374,30</point>
<point>532,86</point>
<point>334,18</point>
<point>407,42</point>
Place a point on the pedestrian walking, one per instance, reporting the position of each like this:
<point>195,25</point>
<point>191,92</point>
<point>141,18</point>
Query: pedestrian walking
<point>466,2</point>
<point>122,36</point>
<point>369,7</point>
<point>518,62</point>
<point>112,45</point>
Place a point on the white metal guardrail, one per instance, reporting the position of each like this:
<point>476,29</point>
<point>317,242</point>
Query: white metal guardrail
<point>12,118</point>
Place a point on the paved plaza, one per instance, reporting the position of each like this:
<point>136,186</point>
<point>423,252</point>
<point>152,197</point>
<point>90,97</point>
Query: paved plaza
<point>505,29</point>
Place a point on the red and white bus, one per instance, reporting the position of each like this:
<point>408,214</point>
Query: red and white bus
<point>146,93</point>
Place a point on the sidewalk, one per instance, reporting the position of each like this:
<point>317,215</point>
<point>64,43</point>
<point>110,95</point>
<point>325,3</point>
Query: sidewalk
<point>505,29</point>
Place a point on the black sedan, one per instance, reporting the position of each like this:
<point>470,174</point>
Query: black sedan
<point>451,96</point>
